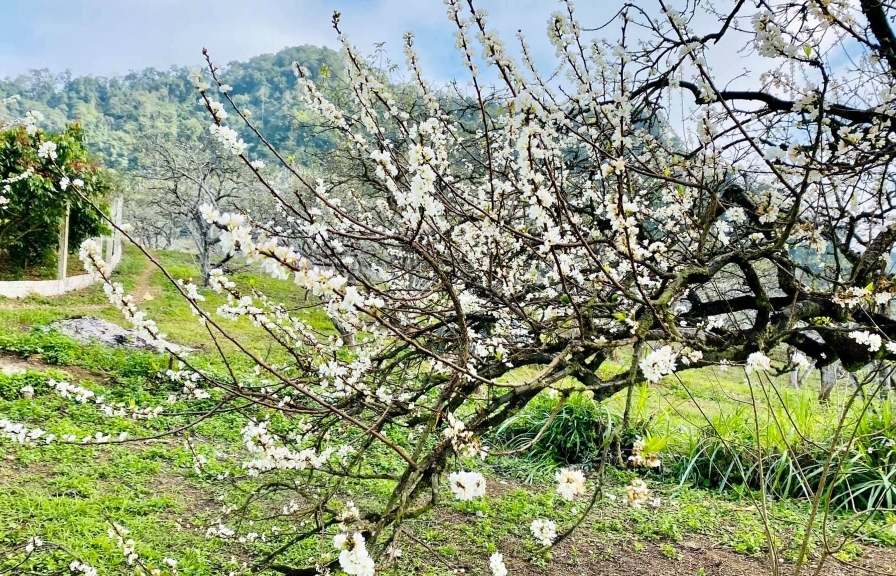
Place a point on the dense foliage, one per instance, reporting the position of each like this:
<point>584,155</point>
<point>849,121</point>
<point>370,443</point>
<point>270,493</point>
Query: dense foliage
<point>120,113</point>
<point>33,207</point>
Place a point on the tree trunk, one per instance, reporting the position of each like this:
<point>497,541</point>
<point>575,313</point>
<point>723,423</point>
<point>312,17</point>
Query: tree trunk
<point>205,266</point>
<point>828,381</point>
<point>853,379</point>
<point>348,338</point>
<point>884,374</point>
<point>805,376</point>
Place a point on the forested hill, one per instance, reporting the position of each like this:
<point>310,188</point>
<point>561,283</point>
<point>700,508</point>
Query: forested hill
<point>120,112</point>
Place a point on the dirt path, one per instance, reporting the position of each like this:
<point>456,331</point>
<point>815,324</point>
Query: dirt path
<point>696,556</point>
<point>143,284</point>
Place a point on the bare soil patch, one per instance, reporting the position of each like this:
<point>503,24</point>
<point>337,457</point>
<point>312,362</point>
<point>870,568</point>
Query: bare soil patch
<point>10,365</point>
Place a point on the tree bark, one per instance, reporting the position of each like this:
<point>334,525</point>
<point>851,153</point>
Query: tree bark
<point>828,381</point>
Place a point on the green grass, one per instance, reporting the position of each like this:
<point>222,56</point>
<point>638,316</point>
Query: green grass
<point>68,494</point>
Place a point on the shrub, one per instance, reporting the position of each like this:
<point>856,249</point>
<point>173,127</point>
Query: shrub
<point>29,222</point>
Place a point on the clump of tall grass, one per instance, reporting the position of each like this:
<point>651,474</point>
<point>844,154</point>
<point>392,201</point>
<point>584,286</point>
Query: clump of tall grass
<point>574,433</point>
<point>554,431</point>
<point>797,449</point>
<point>790,445</point>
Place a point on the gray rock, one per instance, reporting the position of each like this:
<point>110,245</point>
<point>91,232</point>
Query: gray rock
<point>88,329</point>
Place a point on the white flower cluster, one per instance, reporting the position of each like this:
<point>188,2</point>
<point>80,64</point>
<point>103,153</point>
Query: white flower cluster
<point>467,485</point>
<point>218,282</point>
<point>190,380</point>
<point>496,564</point>
<point>462,440</point>
<point>856,296</point>
<point>119,410</point>
<point>228,138</point>
<point>220,531</point>
<point>47,150</point>
<point>7,186</point>
<point>216,108</point>
<point>800,360</point>
<point>758,362</point>
<point>637,493</point>
<point>349,515</point>
<point>872,341</point>
<point>21,434</point>
<point>146,328</point>
<point>354,559</point>
<point>17,178</point>
<point>32,118</point>
<point>65,182</point>
<point>82,568</point>
<point>545,531</point>
<point>570,483</point>
<point>91,254</point>
<point>128,546</point>
<point>198,81</point>
<point>66,390</point>
<point>33,543</point>
<point>658,363</point>
<point>274,457</point>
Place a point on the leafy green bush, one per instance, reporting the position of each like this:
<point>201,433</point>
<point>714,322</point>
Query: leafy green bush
<point>12,384</point>
<point>29,223</point>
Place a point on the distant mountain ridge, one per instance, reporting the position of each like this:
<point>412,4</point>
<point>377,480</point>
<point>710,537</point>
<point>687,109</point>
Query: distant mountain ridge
<point>119,112</point>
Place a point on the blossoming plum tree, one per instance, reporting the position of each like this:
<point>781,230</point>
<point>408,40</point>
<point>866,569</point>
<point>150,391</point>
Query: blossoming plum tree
<point>546,223</point>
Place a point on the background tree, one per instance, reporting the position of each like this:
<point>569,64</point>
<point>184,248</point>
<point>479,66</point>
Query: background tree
<point>176,179</point>
<point>35,197</point>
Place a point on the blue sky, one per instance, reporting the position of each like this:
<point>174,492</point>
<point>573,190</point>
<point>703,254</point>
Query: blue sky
<point>106,37</point>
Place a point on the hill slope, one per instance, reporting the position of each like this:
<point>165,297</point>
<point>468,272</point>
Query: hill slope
<point>121,111</point>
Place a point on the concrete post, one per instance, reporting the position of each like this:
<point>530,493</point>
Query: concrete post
<point>62,270</point>
<point>117,213</point>
<point>109,241</point>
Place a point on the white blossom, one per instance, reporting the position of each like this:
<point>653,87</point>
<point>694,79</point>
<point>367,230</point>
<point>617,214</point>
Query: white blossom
<point>47,150</point>
<point>757,361</point>
<point>570,483</point>
<point>496,563</point>
<point>658,363</point>
<point>872,341</point>
<point>545,531</point>
<point>467,485</point>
